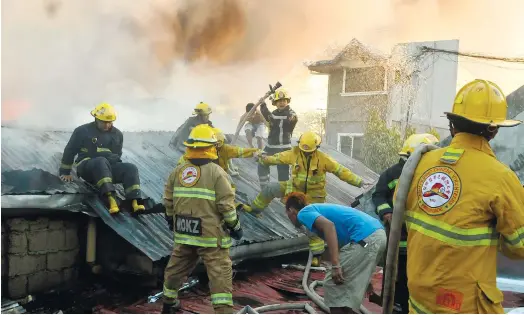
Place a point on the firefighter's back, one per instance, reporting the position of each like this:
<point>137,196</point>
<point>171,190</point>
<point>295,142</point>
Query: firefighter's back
<point>452,238</point>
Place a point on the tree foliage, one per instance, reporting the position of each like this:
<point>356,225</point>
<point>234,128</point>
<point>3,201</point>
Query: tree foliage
<point>381,144</point>
<point>313,121</point>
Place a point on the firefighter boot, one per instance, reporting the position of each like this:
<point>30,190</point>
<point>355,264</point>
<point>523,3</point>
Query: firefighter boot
<point>168,308</point>
<point>136,207</point>
<point>316,261</point>
<point>113,205</point>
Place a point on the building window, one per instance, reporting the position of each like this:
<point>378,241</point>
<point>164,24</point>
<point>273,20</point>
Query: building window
<point>350,144</point>
<point>364,81</point>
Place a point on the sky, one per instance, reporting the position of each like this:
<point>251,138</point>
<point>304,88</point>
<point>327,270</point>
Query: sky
<point>154,60</point>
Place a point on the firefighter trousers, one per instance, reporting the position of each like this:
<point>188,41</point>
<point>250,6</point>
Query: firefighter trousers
<point>264,170</point>
<point>278,190</point>
<point>219,271</point>
<point>103,175</point>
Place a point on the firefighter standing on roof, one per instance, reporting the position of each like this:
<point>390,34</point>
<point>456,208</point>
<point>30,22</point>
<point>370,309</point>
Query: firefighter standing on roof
<point>99,148</point>
<point>282,122</point>
<point>200,116</point>
<point>383,200</point>
<point>309,168</point>
<point>463,205</point>
<point>200,208</point>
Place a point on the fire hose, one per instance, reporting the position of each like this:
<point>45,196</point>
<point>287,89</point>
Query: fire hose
<point>390,274</point>
<point>260,101</point>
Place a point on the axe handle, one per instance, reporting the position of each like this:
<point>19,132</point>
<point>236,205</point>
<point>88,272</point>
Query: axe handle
<point>243,120</point>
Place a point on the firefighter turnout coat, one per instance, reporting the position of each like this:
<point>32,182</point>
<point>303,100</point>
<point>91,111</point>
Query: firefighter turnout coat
<point>463,205</point>
<point>200,199</point>
<point>308,173</point>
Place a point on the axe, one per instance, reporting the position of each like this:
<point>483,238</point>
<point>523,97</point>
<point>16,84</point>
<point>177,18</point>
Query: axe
<point>260,101</point>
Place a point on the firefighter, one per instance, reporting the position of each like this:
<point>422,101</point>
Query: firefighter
<point>99,148</point>
<point>200,209</point>
<point>282,122</point>
<point>200,116</point>
<point>309,168</point>
<point>462,206</point>
<point>383,200</point>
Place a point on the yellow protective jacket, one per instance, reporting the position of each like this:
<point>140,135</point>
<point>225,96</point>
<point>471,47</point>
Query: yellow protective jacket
<point>462,206</point>
<point>200,199</point>
<point>308,173</point>
<point>227,152</point>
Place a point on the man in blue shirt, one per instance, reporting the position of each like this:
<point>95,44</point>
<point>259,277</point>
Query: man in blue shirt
<point>356,243</point>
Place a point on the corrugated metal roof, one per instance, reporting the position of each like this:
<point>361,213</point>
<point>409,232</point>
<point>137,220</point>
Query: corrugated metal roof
<point>150,152</point>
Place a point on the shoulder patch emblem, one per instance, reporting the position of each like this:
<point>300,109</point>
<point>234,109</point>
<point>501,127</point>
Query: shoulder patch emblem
<point>189,175</point>
<point>438,190</point>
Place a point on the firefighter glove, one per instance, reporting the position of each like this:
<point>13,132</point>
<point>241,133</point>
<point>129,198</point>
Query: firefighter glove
<point>236,231</point>
<point>169,220</point>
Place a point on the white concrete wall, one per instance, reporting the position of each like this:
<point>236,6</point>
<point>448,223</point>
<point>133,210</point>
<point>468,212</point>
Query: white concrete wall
<point>430,90</point>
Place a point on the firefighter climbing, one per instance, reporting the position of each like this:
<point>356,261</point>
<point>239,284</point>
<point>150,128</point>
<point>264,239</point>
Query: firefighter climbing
<point>383,200</point>
<point>462,205</point>
<point>308,175</point>
<point>99,148</point>
<point>200,209</point>
<point>201,115</point>
<point>282,122</point>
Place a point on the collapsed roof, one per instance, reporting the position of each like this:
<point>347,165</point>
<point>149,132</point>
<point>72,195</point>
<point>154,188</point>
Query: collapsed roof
<point>31,158</point>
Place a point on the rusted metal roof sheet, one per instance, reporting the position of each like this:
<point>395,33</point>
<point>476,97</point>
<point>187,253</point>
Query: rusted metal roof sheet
<point>24,150</point>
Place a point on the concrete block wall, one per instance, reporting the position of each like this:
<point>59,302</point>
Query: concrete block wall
<point>39,254</point>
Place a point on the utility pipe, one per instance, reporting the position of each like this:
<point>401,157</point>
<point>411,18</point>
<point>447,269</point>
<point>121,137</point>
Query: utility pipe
<point>91,246</point>
<point>390,272</point>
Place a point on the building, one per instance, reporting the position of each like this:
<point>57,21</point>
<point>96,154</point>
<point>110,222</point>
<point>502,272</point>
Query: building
<point>402,86</point>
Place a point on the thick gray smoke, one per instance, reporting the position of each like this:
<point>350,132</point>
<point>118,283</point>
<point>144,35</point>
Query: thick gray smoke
<point>155,59</point>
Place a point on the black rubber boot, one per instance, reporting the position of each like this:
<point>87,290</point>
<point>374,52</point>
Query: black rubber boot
<point>171,308</point>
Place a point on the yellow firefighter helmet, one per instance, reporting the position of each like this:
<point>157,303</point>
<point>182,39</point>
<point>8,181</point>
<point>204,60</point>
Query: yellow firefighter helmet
<point>281,94</point>
<point>202,109</point>
<point>104,112</point>
<point>309,141</point>
<point>201,136</point>
<point>483,102</point>
<point>415,140</point>
<point>221,138</point>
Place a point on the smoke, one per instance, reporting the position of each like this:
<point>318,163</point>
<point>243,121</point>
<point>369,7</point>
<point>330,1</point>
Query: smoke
<point>155,59</point>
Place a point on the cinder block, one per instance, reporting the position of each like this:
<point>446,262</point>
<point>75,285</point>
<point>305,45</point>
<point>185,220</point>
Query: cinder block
<point>56,240</point>
<point>61,260</point>
<point>71,224</point>
<point>37,282</point>
<point>37,241</point>
<point>17,287</point>
<point>56,225</point>
<point>39,224</point>
<point>71,239</point>
<point>54,278</point>
<point>17,243</point>
<point>69,275</point>
<point>18,224</point>
<point>25,264</point>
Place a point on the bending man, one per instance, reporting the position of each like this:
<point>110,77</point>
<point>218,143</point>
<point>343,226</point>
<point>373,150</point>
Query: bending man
<point>356,243</point>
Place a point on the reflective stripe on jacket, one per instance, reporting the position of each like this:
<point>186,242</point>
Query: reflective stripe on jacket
<point>462,206</point>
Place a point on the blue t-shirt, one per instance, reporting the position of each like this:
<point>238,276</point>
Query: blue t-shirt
<point>352,225</point>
